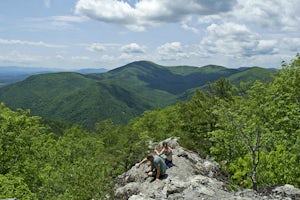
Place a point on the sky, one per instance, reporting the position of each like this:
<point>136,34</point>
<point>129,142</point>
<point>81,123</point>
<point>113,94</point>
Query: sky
<point>78,34</point>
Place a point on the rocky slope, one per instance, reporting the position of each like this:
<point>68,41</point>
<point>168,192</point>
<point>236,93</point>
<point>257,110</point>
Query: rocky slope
<point>191,178</point>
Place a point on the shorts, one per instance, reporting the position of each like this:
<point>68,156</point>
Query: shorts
<point>169,163</point>
<point>154,172</point>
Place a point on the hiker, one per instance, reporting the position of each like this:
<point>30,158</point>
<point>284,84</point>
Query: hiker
<point>158,166</point>
<point>166,154</point>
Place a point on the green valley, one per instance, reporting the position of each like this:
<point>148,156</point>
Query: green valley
<point>120,94</point>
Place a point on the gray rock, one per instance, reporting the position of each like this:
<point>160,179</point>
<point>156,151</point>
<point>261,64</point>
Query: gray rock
<point>190,178</point>
<point>10,199</point>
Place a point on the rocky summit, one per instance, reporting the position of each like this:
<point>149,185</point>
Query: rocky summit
<point>191,177</point>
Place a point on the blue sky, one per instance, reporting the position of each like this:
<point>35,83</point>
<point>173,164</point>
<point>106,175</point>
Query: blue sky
<point>76,34</point>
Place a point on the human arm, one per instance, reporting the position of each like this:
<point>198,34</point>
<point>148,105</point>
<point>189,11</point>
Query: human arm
<point>159,153</point>
<point>142,162</point>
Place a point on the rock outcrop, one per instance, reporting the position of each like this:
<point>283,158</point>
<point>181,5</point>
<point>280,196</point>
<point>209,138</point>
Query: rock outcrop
<point>191,178</point>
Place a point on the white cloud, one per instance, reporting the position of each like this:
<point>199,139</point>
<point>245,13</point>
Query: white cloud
<point>107,58</point>
<point>107,11</point>
<point>168,48</point>
<point>266,47</point>
<point>171,51</point>
<point>30,43</point>
<point>290,44</point>
<point>208,19</point>
<point>188,27</point>
<point>269,13</point>
<point>96,47</point>
<point>16,57</point>
<point>133,48</point>
<point>63,22</point>
<point>233,32</point>
<point>231,39</point>
<point>67,18</point>
<point>57,22</point>
<point>80,58</point>
<point>60,57</point>
<point>126,56</point>
<point>149,13</point>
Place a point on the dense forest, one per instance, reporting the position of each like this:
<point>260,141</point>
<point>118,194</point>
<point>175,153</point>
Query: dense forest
<point>119,94</point>
<point>253,131</point>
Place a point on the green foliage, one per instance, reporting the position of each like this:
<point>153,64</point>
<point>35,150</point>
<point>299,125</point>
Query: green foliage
<point>222,89</point>
<point>197,120</point>
<point>253,131</point>
<point>120,94</point>
<point>227,145</point>
<point>259,133</point>
<point>240,169</point>
<point>159,124</point>
<point>279,166</point>
<point>76,169</point>
<point>14,187</point>
<point>124,146</point>
<point>37,165</point>
<point>21,141</point>
<point>200,115</point>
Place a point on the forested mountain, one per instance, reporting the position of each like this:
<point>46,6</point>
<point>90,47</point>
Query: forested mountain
<point>14,74</point>
<point>120,94</point>
<point>253,133</point>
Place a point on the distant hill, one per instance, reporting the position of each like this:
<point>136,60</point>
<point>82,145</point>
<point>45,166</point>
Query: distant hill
<point>90,71</point>
<point>14,74</point>
<point>120,94</point>
<point>251,74</point>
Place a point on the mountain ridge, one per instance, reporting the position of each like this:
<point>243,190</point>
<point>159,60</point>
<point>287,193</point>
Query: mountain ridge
<point>120,94</point>
<point>13,74</point>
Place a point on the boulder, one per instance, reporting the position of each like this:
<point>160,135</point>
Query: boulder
<point>191,177</point>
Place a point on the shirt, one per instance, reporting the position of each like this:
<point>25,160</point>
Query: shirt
<point>159,162</point>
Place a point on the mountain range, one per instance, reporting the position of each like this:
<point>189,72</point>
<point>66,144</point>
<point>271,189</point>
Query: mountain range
<point>119,94</point>
<point>12,74</point>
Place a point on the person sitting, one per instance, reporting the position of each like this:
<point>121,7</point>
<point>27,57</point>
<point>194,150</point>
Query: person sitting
<point>158,166</point>
<point>166,154</point>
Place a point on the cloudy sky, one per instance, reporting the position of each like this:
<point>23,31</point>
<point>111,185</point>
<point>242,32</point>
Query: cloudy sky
<point>73,34</point>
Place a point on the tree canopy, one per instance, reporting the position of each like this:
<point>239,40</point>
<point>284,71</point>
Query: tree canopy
<point>253,131</point>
